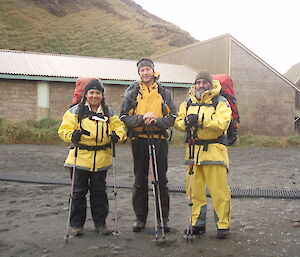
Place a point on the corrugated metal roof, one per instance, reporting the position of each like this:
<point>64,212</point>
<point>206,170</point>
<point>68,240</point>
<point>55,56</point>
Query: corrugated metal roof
<point>69,66</point>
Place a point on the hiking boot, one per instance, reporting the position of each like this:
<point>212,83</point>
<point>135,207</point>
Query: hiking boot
<point>196,231</point>
<point>222,233</point>
<point>166,227</point>
<point>103,230</point>
<point>138,226</point>
<point>296,224</point>
<point>76,231</point>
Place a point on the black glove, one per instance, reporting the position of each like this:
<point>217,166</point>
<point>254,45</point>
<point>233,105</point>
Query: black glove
<point>114,138</point>
<point>76,135</point>
<point>191,120</point>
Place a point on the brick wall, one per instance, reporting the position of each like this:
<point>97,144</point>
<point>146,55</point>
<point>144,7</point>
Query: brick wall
<point>180,94</point>
<point>60,98</point>
<point>114,96</point>
<point>265,101</point>
<point>18,99</point>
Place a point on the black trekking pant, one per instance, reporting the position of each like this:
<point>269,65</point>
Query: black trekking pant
<point>141,171</point>
<point>94,182</point>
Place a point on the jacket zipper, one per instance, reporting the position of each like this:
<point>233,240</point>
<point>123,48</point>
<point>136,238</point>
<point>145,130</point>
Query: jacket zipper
<point>94,166</point>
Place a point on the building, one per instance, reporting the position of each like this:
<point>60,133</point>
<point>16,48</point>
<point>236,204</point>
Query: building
<point>265,98</point>
<point>39,85</point>
<point>293,74</point>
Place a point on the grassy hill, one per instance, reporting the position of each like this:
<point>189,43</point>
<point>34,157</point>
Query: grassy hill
<point>104,28</point>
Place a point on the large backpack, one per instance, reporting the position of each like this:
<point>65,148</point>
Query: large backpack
<point>227,92</point>
<point>79,89</point>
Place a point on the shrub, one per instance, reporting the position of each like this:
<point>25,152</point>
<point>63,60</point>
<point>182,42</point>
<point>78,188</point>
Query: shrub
<point>29,132</point>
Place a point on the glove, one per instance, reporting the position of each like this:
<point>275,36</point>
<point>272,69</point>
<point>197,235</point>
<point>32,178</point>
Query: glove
<point>76,135</point>
<point>191,120</point>
<point>114,138</point>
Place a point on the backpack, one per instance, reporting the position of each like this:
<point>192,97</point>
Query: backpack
<point>227,92</point>
<point>79,89</point>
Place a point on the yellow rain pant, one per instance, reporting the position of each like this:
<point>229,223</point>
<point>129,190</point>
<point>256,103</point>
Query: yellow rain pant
<point>215,177</point>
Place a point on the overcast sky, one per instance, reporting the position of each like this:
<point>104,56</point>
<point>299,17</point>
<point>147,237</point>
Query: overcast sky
<point>269,28</point>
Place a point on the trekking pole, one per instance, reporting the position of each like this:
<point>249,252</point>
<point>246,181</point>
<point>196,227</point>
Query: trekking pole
<point>154,192</point>
<point>191,141</point>
<point>155,186</point>
<point>71,193</point>
<point>115,232</point>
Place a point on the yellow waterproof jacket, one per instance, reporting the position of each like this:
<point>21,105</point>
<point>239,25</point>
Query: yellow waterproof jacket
<point>138,100</point>
<point>212,123</point>
<point>99,136</point>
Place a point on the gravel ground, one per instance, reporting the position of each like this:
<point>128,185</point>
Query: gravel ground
<point>33,217</point>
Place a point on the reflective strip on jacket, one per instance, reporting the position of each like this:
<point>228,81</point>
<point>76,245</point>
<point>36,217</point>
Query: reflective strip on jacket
<point>99,135</point>
<point>213,123</point>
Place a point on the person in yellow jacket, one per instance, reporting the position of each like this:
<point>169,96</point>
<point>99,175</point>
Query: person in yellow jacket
<point>205,116</point>
<point>148,108</point>
<point>90,127</point>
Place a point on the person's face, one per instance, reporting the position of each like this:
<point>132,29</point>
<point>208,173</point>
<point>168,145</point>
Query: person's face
<point>146,74</point>
<point>94,97</point>
<point>202,85</point>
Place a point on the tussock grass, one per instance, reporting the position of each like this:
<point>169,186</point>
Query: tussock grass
<point>267,141</point>
<point>250,141</point>
<point>124,33</point>
<point>29,132</point>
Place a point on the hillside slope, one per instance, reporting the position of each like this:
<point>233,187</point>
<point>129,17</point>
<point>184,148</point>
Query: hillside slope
<point>105,28</point>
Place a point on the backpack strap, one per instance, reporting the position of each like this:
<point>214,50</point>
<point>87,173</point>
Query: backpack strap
<point>131,94</point>
<point>162,91</point>
<point>215,100</point>
<point>135,90</point>
<point>190,103</point>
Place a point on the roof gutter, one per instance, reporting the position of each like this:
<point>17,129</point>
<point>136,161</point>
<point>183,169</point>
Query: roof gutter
<point>72,80</point>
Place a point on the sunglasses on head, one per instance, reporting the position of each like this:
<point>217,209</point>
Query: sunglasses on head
<point>203,82</point>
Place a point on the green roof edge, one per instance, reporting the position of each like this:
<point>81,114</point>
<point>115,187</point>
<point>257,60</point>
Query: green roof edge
<point>67,79</point>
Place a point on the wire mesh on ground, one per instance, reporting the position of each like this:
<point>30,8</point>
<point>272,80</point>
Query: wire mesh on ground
<point>235,193</point>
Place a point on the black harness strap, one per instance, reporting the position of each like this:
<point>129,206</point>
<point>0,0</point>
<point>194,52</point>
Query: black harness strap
<point>135,134</point>
<point>93,147</point>
<point>205,143</point>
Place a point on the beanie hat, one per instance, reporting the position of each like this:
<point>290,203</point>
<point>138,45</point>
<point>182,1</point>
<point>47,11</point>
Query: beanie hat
<point>94,84</point>
<point>204,75</point>
<point>145,63</point>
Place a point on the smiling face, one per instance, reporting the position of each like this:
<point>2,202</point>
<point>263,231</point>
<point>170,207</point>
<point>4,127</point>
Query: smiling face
<point>201,85</point>
<point>147,75</point>
<point>94,97</point>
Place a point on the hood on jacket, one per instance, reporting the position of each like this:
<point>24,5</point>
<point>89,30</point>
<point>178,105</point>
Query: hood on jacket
<point>208,94</point>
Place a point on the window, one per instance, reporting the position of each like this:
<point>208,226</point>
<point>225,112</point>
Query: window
<point>43,95</point>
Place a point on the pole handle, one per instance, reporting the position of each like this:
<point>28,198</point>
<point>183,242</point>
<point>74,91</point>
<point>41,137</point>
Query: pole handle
<point>113,145</point>
<point>114,149</point>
